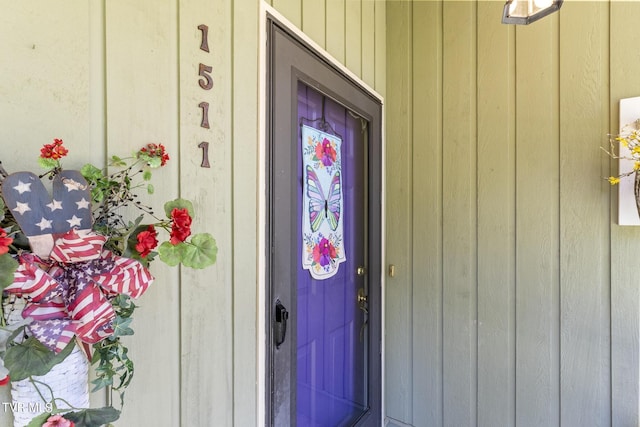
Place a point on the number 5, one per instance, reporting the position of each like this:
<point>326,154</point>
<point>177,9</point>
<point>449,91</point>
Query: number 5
<point>206,82</point>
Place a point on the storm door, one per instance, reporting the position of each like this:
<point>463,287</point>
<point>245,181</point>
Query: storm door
<point>324,331</point>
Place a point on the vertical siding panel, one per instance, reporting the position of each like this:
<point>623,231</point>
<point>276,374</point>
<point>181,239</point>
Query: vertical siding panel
<point>427,213</point>
<point>353,36</point>
<point>496,218</point>
<point>625,241</point>
<point>46,92</point>
<point>537,224</point>
<point>398,374</point>
<point>313,20</point>
<point>206,297</point>
<point>141,107</point>
<point>459,214</point>
<point>45,85</point>
<point>335,32</point>
<point>584,305</point>
<point>97,140</point>
<point>245,212</point>
<point>368,42</point>
<point>381,46</point>
<point>290,9</point>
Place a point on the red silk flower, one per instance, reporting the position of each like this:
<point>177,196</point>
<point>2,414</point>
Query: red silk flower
<point>180,225</point>
<point>53,151</point>
<point>155,150</point>
<point>4,242</point>
<point>147,241</point>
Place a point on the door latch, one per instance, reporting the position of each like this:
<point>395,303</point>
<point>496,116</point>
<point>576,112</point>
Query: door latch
<point>280,323</point>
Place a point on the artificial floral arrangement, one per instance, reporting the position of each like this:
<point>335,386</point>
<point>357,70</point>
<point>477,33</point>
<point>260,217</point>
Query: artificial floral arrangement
<point>77,264</point>
<point>629,138</point>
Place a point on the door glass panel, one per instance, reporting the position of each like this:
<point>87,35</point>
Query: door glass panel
<point>332,335</point>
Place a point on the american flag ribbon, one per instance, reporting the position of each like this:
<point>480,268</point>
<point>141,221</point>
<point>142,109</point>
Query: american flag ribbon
<point>125,278</point>
<point>69,295</point>
<point>73,248</point>
<point>32,282</point>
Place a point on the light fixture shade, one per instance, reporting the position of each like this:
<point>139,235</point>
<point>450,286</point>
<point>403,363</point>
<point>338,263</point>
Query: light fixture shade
<point>524,12</point>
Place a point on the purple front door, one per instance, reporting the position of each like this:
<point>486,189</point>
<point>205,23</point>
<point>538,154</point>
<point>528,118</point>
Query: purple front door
<point>324,266</point>
<point>332,343</point>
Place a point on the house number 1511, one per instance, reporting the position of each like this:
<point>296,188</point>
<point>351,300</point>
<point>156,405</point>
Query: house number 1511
<point>206,83</point>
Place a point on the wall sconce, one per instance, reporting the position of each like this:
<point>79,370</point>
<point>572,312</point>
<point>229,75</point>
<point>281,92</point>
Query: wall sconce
<point>524,12</point>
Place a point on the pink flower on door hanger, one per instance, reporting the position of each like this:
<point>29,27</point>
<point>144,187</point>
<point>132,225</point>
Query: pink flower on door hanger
<point>323,254</point>
<point>325,152</point>
<point>320,149</point>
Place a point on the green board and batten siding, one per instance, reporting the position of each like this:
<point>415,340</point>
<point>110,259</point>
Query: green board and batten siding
<point>521,290</point>
<point>110,76</point>
<point>515,299</point>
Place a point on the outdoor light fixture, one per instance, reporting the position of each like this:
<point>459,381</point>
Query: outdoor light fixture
<point>524,12</point>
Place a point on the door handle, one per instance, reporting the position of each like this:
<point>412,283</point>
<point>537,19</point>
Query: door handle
<point>280,323</point>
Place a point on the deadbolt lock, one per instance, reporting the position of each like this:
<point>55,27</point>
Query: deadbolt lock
<point>361,271</point>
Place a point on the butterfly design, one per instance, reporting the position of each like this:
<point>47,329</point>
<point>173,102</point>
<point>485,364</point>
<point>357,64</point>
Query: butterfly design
<point>321,208</point>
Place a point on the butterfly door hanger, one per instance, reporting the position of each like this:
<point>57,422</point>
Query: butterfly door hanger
<point>323,202</point>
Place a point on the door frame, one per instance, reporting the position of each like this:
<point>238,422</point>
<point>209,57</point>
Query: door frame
<point>268,12</point>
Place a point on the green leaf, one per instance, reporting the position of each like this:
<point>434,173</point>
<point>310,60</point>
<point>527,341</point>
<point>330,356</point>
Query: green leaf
<point>47,163</point>
<point>201,252</point>
<point>101,383</point>
<point>9,333</point>
<point>180,204</point>
<point>32,358</point>
<point>93,417</point>
<point>150,189</point>
<point>121,326</point>
<point>97,195</point>
<point>2,206</point>
<point>39,420</point>
<point>117,161</point>
<point>153,162</point>
<point>146,175</point>
<point>91,173</point>
<point>171,254</point>
<point>8,266</point>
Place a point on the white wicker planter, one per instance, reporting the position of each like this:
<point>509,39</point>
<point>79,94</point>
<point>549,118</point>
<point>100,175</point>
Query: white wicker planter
<point>68,382</point>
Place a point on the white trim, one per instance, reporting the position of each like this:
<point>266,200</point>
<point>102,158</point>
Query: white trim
<point>265,11</point>
<point>383,258</point>
<point>262,216</point>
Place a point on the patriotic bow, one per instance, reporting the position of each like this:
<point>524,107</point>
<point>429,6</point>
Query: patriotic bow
<point>69,294</point>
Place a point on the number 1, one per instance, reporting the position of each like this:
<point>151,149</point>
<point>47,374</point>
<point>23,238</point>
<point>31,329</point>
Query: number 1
<point>204,45</point>
<point>205,154</point>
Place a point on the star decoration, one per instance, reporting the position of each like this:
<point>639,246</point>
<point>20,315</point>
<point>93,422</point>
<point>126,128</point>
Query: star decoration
<point>21,208</point>
<point>55,205</point>
<point>83,204</point>
<point>22,187</point>
<point>74,221</point>
<point>44,224</point>
<point>73,185</point>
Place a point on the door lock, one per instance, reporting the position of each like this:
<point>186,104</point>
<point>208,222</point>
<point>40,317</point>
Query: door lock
<point>362,297</point>
<point>361,271</point>
<point>362,300</point>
